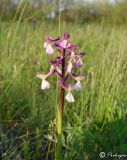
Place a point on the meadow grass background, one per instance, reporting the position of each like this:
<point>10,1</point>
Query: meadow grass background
<point>95,122</point>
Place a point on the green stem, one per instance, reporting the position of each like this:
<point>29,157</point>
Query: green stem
<point>60,116</point>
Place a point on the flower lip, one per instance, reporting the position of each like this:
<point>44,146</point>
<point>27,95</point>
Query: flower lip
<point>49,49</point>
<point>69,97</point>
<point>45,84</point>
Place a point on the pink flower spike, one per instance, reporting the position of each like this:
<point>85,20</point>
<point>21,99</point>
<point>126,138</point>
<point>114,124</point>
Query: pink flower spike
<point>69,97</point>
<point>62,66</point>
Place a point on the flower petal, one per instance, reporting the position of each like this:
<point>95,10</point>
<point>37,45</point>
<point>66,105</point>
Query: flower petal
<point>44,76</point>
<point>49,49</point>
<point>72,54</point>
<point>66,35</point>
<point>69,67</point>
<point>63,44</point>
<point>52,69</point>
<point>69,97</point>
<point>45,84</point>
<point>46,44</point>
<point>58,70</point>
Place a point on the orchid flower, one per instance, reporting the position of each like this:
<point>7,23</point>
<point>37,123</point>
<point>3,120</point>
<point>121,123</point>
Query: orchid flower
<point>48,45</point>
<point>60,66</point>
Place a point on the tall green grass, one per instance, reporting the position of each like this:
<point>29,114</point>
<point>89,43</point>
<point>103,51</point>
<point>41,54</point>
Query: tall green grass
<point>95,122</point>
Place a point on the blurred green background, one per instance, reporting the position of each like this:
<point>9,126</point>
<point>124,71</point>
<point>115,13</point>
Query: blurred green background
<point>76,11</point>
<point>96,122</point>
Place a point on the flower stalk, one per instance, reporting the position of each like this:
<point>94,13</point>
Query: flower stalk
<point>62,94</point>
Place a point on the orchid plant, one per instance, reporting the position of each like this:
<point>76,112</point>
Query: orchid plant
<point>63,66</point>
